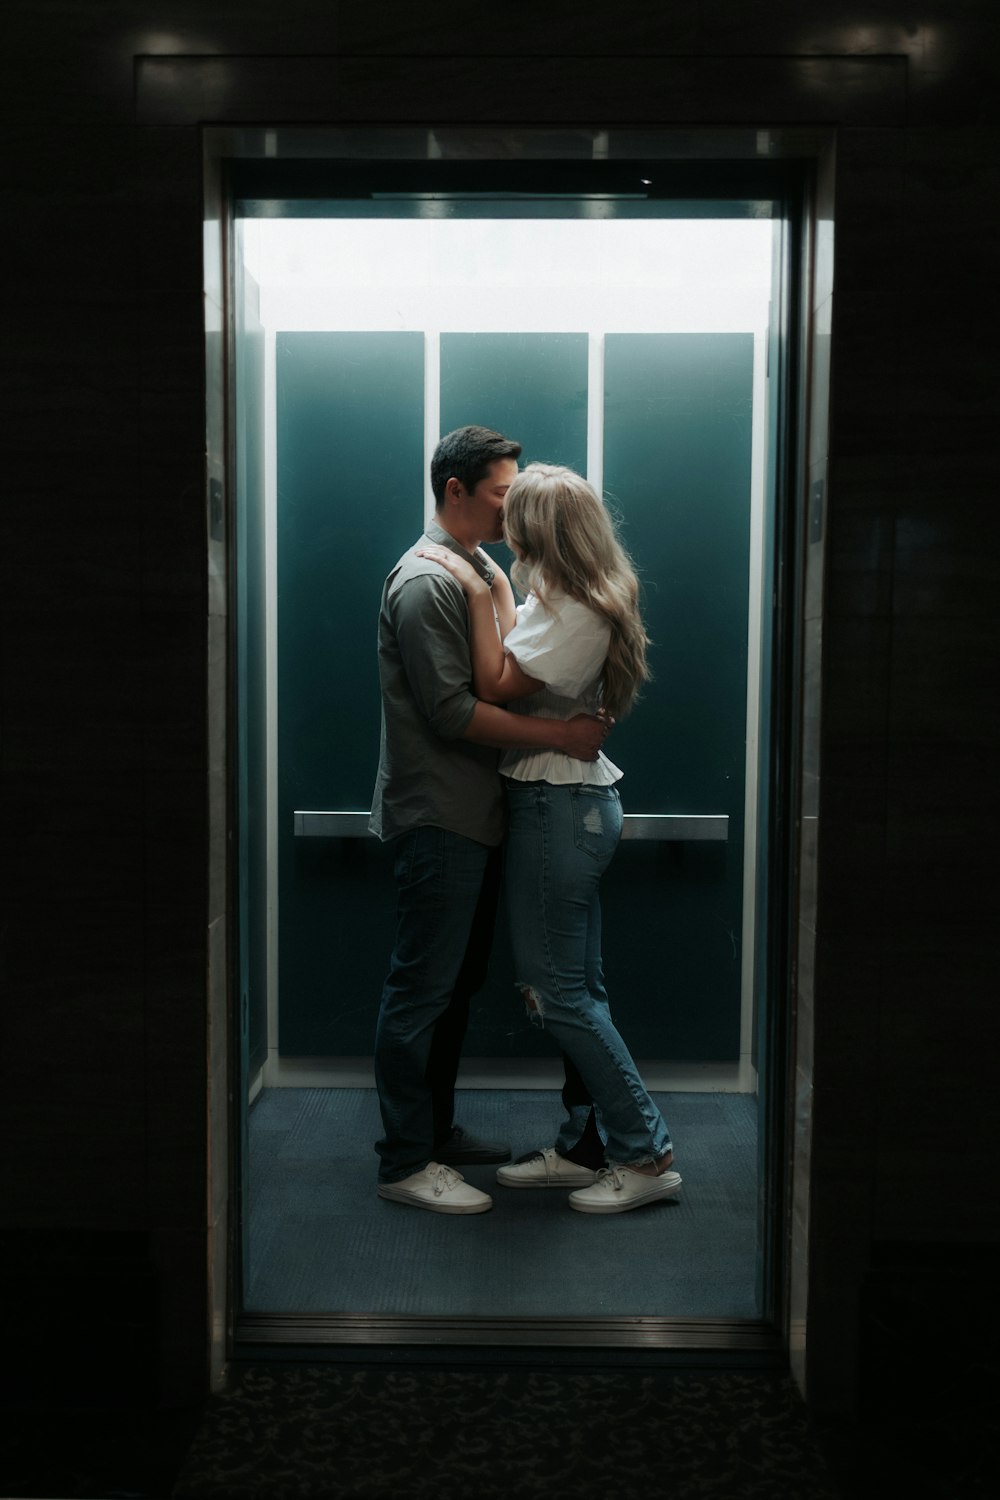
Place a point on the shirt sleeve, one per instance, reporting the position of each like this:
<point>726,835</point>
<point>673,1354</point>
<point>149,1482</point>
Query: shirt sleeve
<point>562,643</point>
<point>431,622</point>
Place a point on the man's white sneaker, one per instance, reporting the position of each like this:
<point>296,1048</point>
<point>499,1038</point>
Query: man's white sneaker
<point>617,1189</point>
<point>439,1188</point>
<point>545,1169</point>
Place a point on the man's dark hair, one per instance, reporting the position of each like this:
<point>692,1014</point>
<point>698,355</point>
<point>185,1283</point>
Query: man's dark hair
<point>467,454</point>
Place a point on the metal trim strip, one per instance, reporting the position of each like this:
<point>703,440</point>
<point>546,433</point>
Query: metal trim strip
<point>622,1332</point>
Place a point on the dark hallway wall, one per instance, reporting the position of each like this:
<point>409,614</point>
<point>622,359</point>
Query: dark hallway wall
<point>106,604</point>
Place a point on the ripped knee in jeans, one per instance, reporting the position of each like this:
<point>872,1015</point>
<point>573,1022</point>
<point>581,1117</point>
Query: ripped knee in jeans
<point>533,1004</point>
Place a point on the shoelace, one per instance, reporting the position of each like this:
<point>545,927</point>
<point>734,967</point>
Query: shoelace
<point>445,1178</point>
<point>613,1175</point>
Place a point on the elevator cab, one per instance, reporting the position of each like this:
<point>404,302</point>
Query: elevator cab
<point>635,336</point>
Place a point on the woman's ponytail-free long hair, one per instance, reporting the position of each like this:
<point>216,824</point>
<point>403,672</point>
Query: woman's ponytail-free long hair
<point>567,542</point>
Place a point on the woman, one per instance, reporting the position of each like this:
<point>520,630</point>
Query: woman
<point>577,644</point>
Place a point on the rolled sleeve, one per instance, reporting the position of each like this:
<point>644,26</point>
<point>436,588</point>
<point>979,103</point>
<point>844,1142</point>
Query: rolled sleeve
<point>432,631</point>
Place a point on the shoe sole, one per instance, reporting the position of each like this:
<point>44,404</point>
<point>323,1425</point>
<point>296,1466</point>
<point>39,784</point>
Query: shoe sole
<point>413,1200</point>
<point>567,1182</point>
<point>638,1201</point>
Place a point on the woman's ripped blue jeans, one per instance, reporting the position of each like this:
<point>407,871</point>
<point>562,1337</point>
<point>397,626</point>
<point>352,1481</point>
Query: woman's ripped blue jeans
<point>560,841</point>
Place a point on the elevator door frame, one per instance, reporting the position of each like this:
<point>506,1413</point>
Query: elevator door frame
<point>296,160</point>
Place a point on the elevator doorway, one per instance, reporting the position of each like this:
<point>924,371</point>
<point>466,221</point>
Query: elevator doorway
<point>635,339</point>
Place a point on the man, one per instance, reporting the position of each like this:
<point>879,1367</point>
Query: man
<point>438,797</point>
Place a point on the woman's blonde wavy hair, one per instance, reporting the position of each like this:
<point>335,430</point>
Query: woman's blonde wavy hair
<point>567,542</point>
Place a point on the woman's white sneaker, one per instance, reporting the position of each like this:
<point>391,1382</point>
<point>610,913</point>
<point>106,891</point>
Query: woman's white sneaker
<point>545,1169</point>
<point>618,1189</point>
<point>439,1188</point>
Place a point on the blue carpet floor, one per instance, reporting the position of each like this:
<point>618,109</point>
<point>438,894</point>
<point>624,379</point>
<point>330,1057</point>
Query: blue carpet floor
<point>321,1241</point>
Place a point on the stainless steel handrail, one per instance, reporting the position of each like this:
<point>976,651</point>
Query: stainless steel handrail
<point>656,827</point>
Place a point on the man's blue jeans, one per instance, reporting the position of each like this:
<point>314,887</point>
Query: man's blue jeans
<point>560,841</point>
<point>447,888</point>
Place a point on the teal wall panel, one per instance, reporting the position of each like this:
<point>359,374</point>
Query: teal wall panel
<point>677,454</point>
<point>350,484</point>
<point>530,386</point>
<point>350,459</point>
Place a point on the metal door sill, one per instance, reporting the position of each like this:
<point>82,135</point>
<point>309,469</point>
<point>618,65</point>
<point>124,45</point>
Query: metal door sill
<point>741,1335</point>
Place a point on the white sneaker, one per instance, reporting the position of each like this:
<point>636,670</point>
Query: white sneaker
<point>545,1169</point>
<point>439,1188</point>
<point>617,1189</point>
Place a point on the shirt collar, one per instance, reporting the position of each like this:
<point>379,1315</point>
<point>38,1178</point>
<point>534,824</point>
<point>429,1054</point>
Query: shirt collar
<point>444,538</point>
